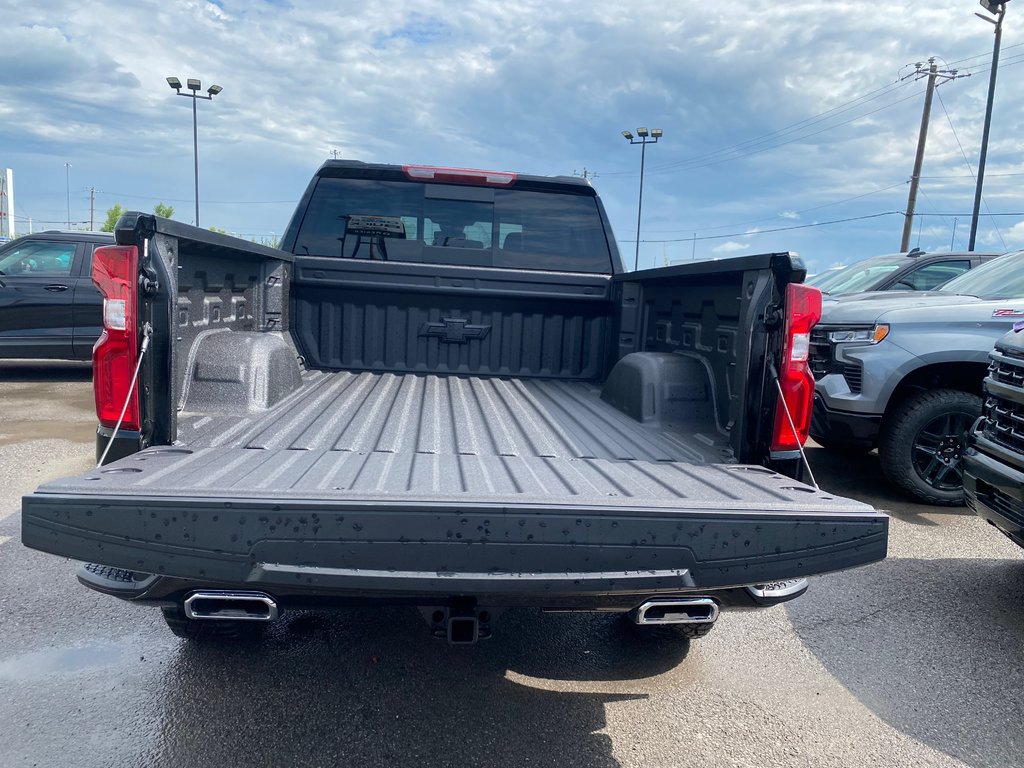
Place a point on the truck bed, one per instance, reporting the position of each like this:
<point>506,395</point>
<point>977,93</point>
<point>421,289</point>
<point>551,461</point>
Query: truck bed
<point>352,430</point>
<point>365,436</point>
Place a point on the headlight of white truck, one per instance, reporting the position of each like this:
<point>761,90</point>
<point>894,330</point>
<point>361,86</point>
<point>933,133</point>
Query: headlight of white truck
<point>871,335</point>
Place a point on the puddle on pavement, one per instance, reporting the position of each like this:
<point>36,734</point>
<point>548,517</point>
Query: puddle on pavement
<point>13,431</point>
<point>62,395</point>
<point>59,661</point>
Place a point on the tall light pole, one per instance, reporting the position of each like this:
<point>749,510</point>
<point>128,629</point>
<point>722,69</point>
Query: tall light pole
<point>643,140</point>
<point>67,181</point>
<point>194,86</point>
<point>999,9</point>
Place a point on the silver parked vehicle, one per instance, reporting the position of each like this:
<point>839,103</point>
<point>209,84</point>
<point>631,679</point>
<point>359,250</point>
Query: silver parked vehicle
<point>913,271</point>
<point>902,371</point>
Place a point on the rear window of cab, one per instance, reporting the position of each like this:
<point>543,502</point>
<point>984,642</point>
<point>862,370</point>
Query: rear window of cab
<point>454,224</point>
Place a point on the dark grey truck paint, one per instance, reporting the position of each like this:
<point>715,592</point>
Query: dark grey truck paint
<point>335,430</point>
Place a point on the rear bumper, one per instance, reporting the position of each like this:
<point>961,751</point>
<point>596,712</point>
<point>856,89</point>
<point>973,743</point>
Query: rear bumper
<point>545,557</point>
<point>166,591</point>
<point>994,485</point>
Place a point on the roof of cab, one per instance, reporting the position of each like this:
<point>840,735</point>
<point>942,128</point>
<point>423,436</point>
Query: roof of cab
<point>355,169</point>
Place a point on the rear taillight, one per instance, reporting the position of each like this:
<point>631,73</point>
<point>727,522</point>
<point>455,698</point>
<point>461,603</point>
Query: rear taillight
<point>803,304</point>
<point>115,273</point>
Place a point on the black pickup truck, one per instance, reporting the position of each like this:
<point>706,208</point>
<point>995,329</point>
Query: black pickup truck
<point>994,460</point>
<point>445,392</point>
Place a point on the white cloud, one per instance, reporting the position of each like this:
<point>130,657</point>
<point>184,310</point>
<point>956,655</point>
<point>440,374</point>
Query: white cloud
<point>731,246</point>
<point>743,93</point>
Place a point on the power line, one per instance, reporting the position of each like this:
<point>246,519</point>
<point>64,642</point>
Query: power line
<point>926,197</point>
<point>968,164</point>
<point>189,200</point>
<point>814,119</point>
<point>981,55</point>
<point>773,218</point>
<point>985,66</point>
<point>50,221</point>
<point>768,231</point>
<point>722,155</point>
<point>693,164</point>
<point>1004,213</point>
<point>814,224</point>
<point>972,176</point>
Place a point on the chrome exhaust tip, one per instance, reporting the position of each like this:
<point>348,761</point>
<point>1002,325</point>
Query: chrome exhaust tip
<point>677,610</point>
<point>234,606</point>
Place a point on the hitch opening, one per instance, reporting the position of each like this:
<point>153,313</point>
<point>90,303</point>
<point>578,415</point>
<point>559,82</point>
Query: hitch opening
<point>461,623</point>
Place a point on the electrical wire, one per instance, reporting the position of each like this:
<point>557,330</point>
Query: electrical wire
<point>190,200</point>
<point>814,119</point>
<point>768,231</point>
<point>723,155</point>
<point>981,55</point>
<point>968,164</point>
<point>822,117</point>
<point>929,200</point>
<point>972,176</point>
<point>774,218</point>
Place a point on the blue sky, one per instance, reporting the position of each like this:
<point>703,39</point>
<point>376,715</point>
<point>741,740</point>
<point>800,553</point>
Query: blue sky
<point>779,118</point>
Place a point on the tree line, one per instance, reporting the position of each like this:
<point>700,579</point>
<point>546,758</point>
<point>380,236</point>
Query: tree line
<point>166,211</point>
<point>115,212</point>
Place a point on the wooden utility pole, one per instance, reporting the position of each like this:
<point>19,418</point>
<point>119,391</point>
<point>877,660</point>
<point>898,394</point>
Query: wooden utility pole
<point>933,73</point>
<point>915,178</point>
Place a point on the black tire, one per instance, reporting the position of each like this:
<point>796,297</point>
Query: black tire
<point>212,630</point>
<point>923,441</point>
<point>661,633</point>
<point>837,446</point>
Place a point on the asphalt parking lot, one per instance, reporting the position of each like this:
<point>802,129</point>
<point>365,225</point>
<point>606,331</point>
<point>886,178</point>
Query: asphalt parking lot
<point>912,661</point>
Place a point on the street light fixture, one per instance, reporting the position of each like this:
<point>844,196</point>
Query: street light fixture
<point>999,10</point>
<point>645,138</point>
<point>194,85</point>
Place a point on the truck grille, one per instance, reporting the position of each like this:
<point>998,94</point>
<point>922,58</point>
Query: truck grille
<point>823,362</point>
<point>820,353</point>
<point>1004,418</point>
<point>1007,371</point>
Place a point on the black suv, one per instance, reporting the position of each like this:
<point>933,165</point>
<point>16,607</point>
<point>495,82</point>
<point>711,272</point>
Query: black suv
<point>49,307</point>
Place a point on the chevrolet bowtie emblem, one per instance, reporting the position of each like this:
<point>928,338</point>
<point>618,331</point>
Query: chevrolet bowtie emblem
<point>455,330</point>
